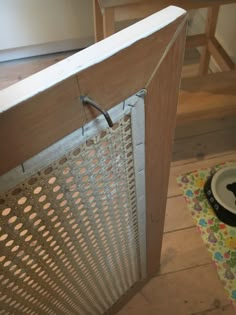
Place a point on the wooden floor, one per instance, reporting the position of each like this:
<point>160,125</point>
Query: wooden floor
<point>188,282</point>
<point>16,70</point>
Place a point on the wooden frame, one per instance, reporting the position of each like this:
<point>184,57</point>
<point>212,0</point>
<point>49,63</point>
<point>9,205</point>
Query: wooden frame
<point>109,12</point>
<point>40,110</point>
<point>186,4</point>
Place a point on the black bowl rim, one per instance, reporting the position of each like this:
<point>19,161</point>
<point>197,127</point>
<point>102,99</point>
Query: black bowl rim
<point>223,214</point>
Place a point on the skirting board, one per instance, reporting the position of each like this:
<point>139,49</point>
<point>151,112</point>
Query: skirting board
<point>46,48</point>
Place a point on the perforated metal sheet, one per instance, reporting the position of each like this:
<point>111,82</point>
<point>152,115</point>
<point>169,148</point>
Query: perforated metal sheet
<point>69,234</point>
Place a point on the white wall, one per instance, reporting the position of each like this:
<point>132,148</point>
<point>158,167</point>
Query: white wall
<point>226,29</point>
<point>31,23</point>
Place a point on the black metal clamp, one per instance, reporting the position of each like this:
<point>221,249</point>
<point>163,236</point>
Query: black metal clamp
<point>88,101</point>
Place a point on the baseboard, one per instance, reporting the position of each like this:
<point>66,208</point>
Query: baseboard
<point>43,49</point>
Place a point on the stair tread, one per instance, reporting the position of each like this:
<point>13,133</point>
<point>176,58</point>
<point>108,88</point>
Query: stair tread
<point>207,97</point>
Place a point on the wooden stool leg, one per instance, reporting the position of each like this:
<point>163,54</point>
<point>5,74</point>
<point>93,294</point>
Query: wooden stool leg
<point>108,22</point>
<point>211,23</point>
<point>220,55</point>
<point>98,23</point>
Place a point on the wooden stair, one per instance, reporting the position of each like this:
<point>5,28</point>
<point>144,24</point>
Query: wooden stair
<point>207,105</point>
<point>209,96</point>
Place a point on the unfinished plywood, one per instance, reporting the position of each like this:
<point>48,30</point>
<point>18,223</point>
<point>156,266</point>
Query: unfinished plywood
<point>156,155</point>
<point>74,222</point>
<point>59,104</point>
<point>177,214</point>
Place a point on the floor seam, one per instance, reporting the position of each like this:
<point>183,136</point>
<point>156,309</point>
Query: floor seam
<point>179,270</point>
<point>181,229</point>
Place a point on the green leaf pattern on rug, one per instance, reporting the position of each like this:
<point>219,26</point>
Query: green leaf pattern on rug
<point>219,238</point>
<point>232,261</point>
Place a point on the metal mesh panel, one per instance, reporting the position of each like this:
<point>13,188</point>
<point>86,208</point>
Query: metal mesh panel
<point>69,234</point>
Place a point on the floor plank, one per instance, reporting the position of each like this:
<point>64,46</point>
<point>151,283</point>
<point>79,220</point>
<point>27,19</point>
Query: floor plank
<point>16,70</point>
<point>211,144</point>
<point>223,310</point>
<point>190,291</point>
<point>177,215</point>
<point>183,249</point>
<point>190,70</point>
<point>194,128</point>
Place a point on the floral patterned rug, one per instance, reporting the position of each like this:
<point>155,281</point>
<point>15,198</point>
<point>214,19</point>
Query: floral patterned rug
<point>219,238</point>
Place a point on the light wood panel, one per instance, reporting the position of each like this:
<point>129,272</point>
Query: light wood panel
<point>46,117</point>
<point>163,89</point>
<point>39,122</point>
<point>126,66</point>
<point>45,107</point>
<point>177,214</point>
